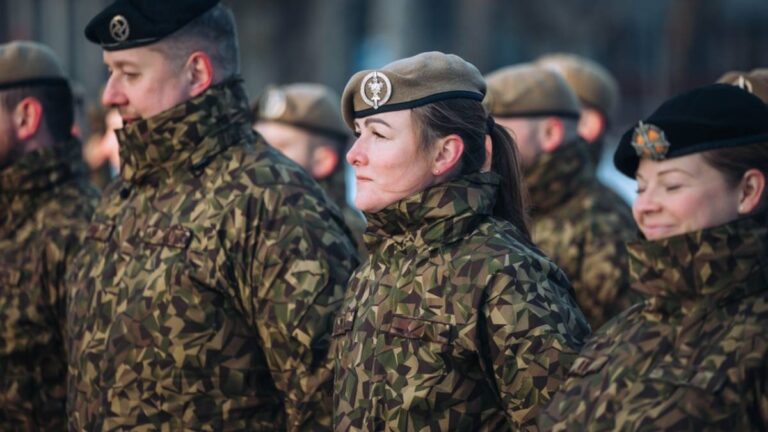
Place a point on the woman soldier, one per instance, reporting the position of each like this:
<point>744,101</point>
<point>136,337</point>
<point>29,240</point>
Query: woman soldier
<point>694,355</point>
<point>456,322</point>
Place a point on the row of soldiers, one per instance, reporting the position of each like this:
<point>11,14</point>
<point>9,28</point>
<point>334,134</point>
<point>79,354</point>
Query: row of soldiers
<point>204,289</point>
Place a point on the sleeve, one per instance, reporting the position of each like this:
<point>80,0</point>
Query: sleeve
<point>525,354</point>
<point>302,258</point>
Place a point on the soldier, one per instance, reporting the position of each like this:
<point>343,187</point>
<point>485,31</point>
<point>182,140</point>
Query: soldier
<point>45,204</point>
<point>205,291</point>
<point>456,322</point>
<point>577,221</point>
<point>598,94</point>
<point>755,82</point>
<point>694,355</point>
<point>303,121</point>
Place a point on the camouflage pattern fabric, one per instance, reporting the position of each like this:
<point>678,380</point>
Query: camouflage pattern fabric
<point>694,355</point>
<point>455,323</point>
<point>335,186</point>
<point>583,226</point>
<point>45,205</point>
<point>206,288</point>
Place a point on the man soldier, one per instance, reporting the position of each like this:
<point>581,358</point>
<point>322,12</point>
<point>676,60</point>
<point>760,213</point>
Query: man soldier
<point>577,221</point>
<point>598,93</point>
<point>45,204</point>
<point>303,121</point>
<point>213,265</point>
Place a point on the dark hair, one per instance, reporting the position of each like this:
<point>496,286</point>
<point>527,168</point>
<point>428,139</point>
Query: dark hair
<point>214,33</point>
<point>733,162</point>
<point>468,119</point>
<point>57,102</point>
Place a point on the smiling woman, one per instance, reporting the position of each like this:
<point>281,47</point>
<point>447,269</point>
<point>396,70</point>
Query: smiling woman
<point>456,322</point>
<point>694,355</point>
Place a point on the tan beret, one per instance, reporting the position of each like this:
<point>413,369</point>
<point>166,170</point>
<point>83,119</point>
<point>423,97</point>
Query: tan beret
<point>29,63</point>
<point>755,82</point>
<point>314,107</point>
<point>593,84</point>
<point>529,90</point>
<point>410,82</point>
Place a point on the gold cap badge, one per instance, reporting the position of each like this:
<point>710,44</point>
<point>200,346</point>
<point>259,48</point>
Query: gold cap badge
<point>649,142</point>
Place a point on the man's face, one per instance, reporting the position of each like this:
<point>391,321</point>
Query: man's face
<point>9,143</point>
<point>143,83</point>
<point>291,141</point>
<point>526,135</point>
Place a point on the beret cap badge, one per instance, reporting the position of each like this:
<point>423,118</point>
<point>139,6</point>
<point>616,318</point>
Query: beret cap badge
<point>119,28</point>
<point>274,104</point>
<point>649,142</point>
<point>372,87</point>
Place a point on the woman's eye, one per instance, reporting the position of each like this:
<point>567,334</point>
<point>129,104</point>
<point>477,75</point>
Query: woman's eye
<point>672,188</point>
<point>377,135</point>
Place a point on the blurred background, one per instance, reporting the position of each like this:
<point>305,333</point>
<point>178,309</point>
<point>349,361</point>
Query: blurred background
<point>655,48</point>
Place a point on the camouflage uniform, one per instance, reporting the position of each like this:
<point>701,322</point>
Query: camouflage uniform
<point>582,225</point>
<point>209,277</point>
<point>454,323</point>
<point>335,186</point>
<point>45,204</point>
<point>694,355</point>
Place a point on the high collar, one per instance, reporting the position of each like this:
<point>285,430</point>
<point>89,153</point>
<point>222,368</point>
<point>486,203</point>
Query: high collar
<point>557,176</point>
<point>720,263</point>
<point>437,215</point>
<point>186,135</point>
<point>23,184</point>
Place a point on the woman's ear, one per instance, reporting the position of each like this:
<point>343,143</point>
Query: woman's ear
<point>751,190</point>
<point>448,151</point>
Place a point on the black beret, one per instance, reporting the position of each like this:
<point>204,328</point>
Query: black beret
<point>707,118</point>
<point>133,23</point>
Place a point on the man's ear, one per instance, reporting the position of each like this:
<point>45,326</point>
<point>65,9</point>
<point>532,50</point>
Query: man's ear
<point>751,190</point>
<point>448,151</point>
<point>591,125</point>
<point>551,134</point>
<point>200,70</point>
<point>27,117</point>
<point>324,161</point>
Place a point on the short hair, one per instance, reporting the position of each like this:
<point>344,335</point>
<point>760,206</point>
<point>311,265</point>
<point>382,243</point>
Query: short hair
<point>57,102</point>
<point>214,33</point>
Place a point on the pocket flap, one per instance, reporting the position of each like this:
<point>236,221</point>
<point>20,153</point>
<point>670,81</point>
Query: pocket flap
<point>176,237</point>
<point>417,328</point>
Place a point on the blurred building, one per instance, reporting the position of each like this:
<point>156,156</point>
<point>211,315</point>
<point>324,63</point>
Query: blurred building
<point>656,47</point>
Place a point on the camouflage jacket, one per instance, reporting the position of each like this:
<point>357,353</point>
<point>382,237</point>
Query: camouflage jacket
<point>205,291</point>
<point>454,323</point>
<point>694,355</point>
<point>583,226</point>
<point>45,205</point>
<point>335,186</point>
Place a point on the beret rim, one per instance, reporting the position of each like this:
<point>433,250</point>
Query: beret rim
<point>436,97</point>
<point>35,81</point>
<point>627,162</point>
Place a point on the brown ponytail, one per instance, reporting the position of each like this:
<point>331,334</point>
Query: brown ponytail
<point>468,119</point>
<point>511,202</point>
